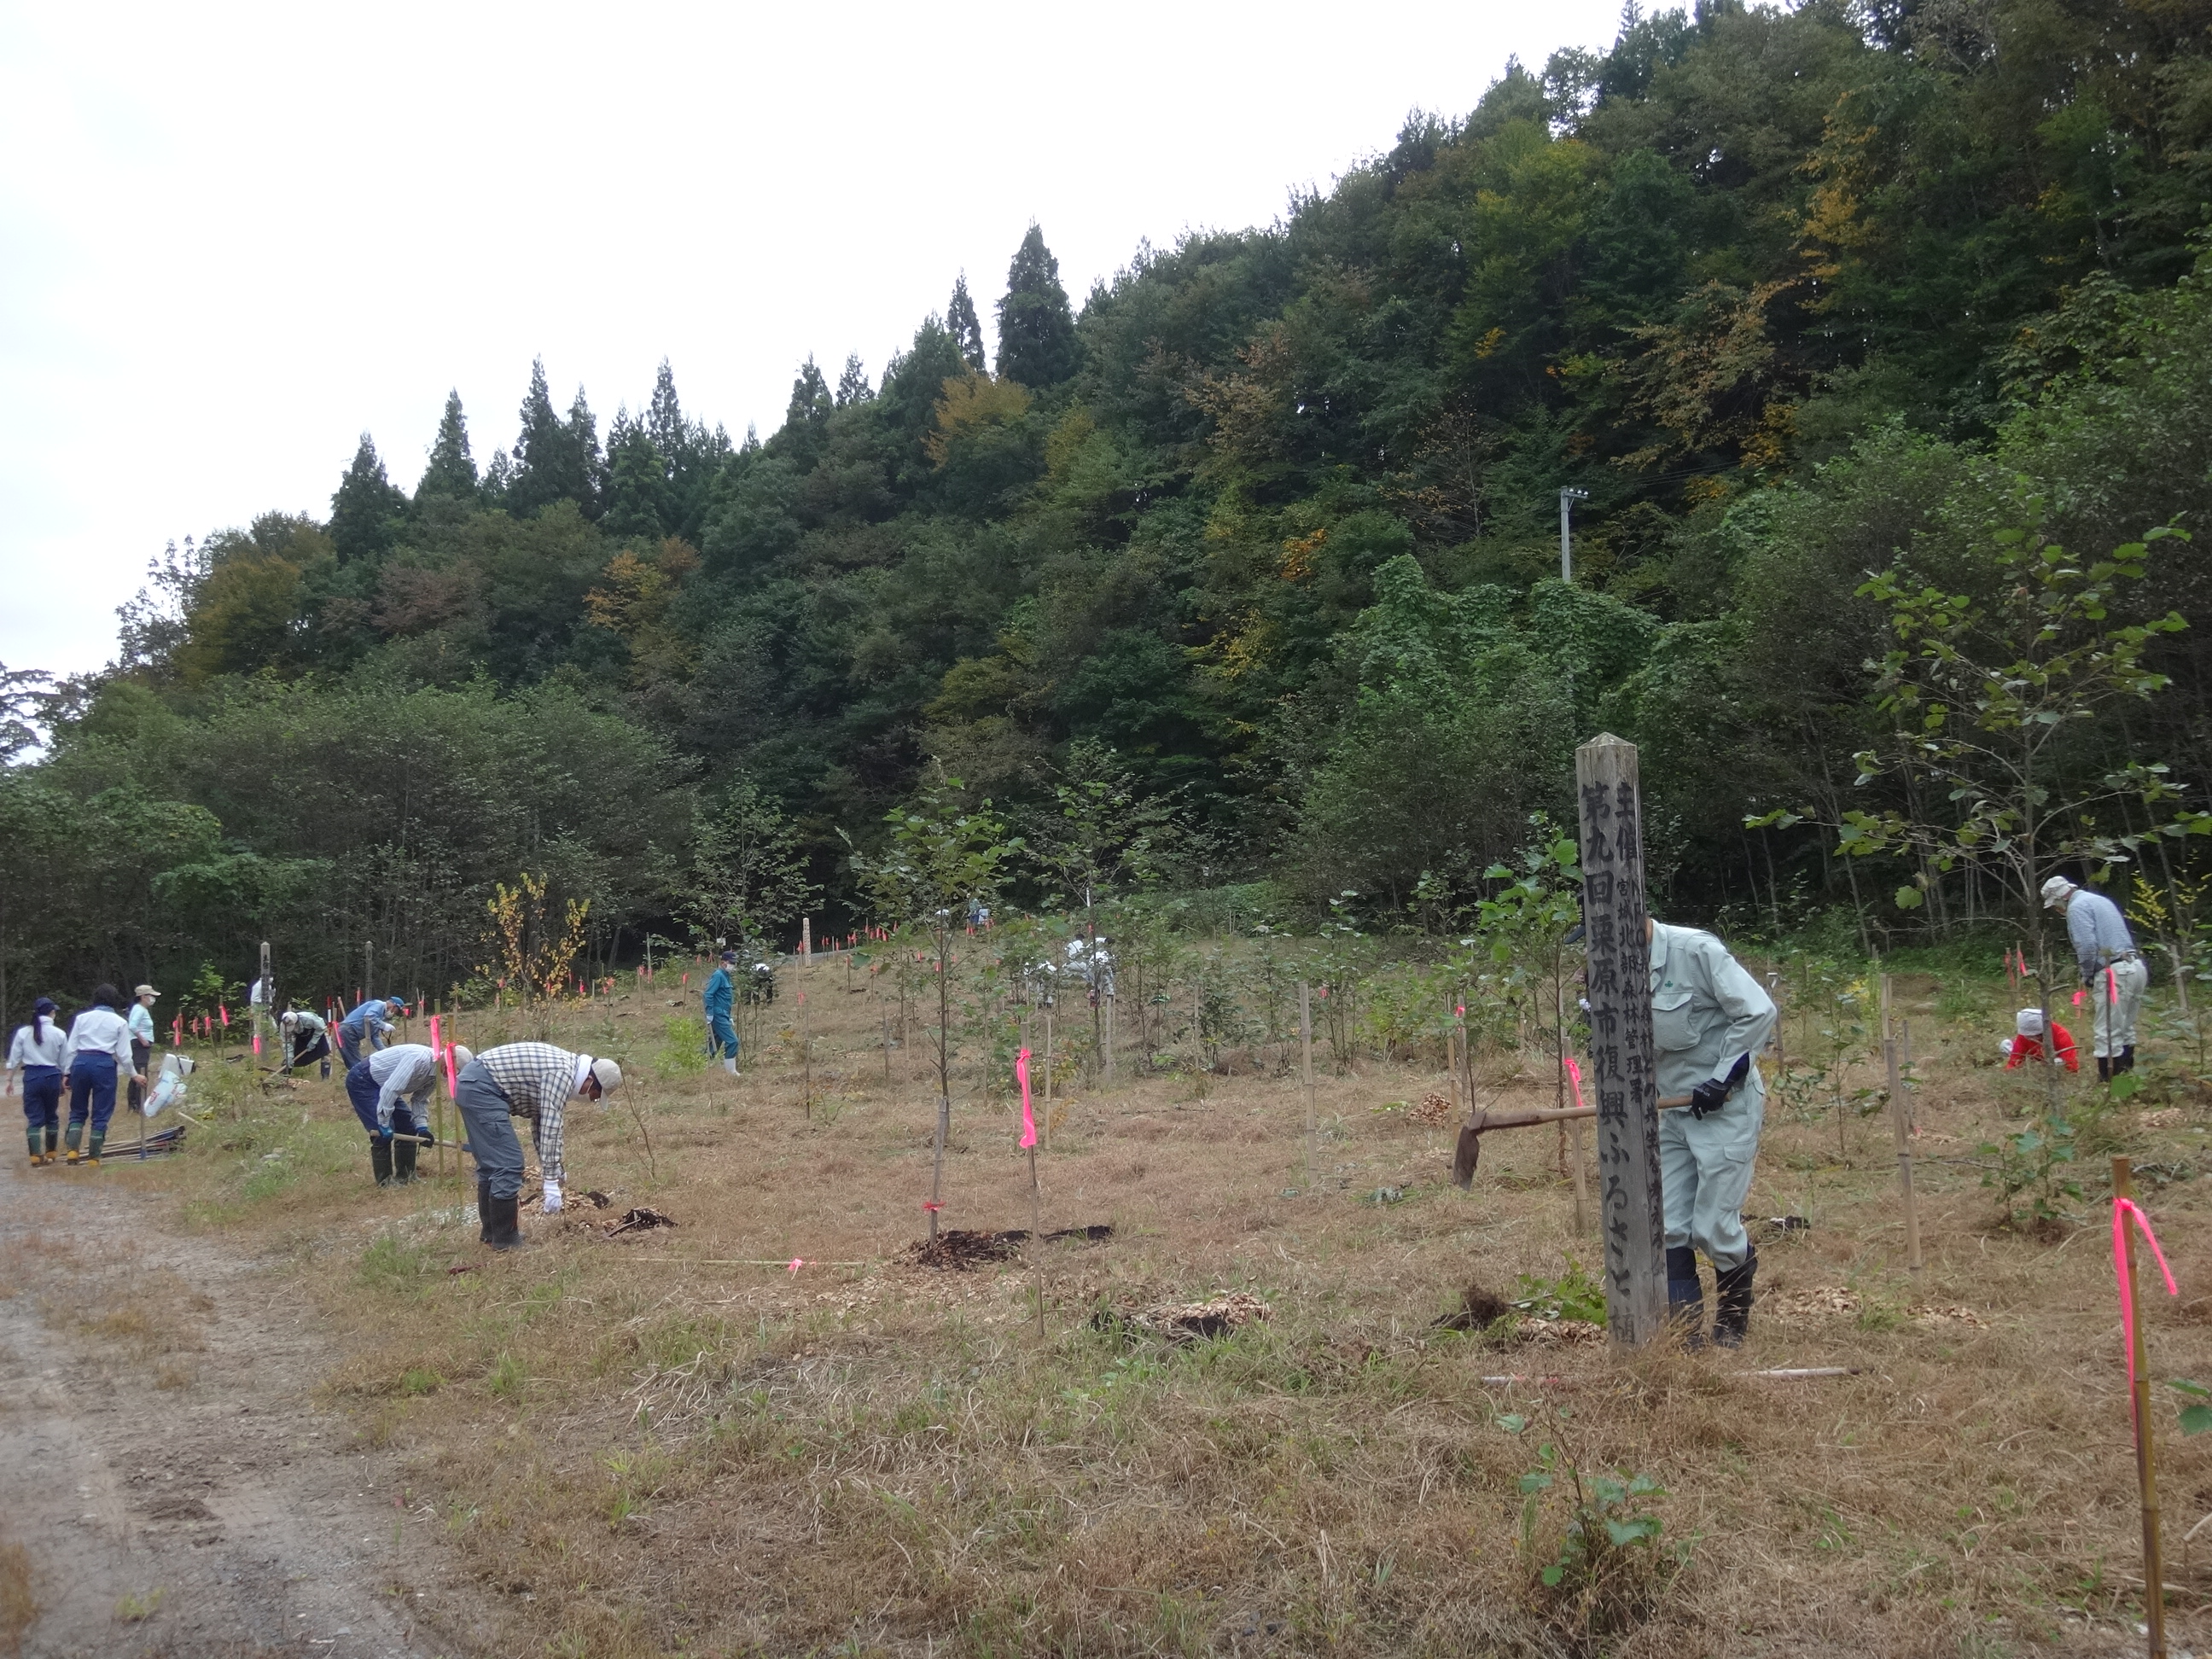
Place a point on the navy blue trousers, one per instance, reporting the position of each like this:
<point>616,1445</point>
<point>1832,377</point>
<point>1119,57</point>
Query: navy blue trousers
<point>362,1090</point>
<point>92,1093</point>
<point>42,1104</point>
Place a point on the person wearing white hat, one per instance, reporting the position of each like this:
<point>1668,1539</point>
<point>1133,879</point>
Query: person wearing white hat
<point>391,1095</point>
<point>306,1039</point>
<point>142,1039</point>
<point>2025,1046</point>
<point>534,1080</point>
<point>2112,970</point>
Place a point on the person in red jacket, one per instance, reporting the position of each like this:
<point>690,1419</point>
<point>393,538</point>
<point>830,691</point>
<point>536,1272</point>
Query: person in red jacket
<point>2026,1047</point>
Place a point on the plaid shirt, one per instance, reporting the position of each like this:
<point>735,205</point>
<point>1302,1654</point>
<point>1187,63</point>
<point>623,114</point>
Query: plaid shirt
<point>538,1079</point>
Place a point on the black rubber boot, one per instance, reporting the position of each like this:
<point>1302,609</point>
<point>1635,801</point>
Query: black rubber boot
<point>507,1224</point>
<point>379,1159</point>
<point>403,1148</point>
<point>2104,1069</point>
<point>2126,1062</point>
<point>1686,1296</point>
<point>1731,1318</point>
<point>483,1207</point>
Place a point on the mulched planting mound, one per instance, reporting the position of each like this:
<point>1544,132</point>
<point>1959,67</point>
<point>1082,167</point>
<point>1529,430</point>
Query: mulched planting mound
<point>958,1250</point>
<point>1185,1322</point>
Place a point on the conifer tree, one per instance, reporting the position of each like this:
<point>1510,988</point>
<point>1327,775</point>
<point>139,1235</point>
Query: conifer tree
<point>811,401</point>
<point>1037,329</point>
<point>584,452</point>
<point>554,460</point>
<point>664,421</point>
<point>453,470</point>
<point>637,496</point>
<point>368,511</point>
<point>966,328</point>
<point>852,385</point>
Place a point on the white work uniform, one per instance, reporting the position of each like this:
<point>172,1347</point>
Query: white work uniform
<point>1707,1013</point>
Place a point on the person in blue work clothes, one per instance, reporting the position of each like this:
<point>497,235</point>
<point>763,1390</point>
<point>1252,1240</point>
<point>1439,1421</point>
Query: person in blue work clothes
<point>391,1095</point>
<point>371,1023</point>
<point>36,1052</point>
<point>2113,971</point>
<point>717,998</point>
<point>1709,1018</point>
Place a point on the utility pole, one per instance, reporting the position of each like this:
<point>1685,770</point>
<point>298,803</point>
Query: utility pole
<point>1567,499</point>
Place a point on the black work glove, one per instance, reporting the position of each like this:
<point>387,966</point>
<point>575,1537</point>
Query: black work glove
<point>1713,1093</point>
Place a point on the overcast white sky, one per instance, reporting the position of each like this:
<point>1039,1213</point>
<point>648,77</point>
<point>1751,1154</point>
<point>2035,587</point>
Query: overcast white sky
<point>231,237</point>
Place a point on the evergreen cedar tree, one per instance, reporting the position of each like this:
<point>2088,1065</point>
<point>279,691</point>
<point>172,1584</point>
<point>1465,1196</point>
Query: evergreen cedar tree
<point>965,327</point>
<point>1036,330</point>
<point>1791,292</point>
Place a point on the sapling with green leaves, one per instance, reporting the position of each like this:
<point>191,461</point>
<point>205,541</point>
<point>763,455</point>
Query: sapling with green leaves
<point>939,856</point>
<point>1989,696</point>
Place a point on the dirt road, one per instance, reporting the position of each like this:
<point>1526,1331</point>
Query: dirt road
<point>161,1460</point>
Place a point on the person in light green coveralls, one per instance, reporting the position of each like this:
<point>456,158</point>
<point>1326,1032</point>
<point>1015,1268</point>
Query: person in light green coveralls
<point>1709,1017</point>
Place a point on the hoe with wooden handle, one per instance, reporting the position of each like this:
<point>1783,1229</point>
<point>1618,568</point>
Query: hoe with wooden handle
<point>1469,1149</point>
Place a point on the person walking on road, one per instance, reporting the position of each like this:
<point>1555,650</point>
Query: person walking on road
<point>534,1080</point>
<point>142,1038</point>
<point>2113,971</point>
<point>372,1024</point>
<point>1709,1017</point>
<point>97,1057</point>
<point>391,1095</point>
<point>36,1052</point>
<point>719,998</point>
<point>306,1039</point>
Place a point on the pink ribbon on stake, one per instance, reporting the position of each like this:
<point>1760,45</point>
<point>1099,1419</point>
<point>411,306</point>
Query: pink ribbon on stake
<point>1575,1076</point>
<point>2112,984</point>
<point>794,1266</point>
<point>2124,1210</point>
<point>1029,1121</point>
<point>2077,999</point>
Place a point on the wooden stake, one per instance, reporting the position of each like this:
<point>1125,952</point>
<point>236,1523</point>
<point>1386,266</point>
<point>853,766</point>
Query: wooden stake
<point>1036,1237</point>
<point>1632,1212</point>
<point>1048,1077</point>
<point>2146,1461</point>
<point>1898,1114</point>
<point>1305,1060</point>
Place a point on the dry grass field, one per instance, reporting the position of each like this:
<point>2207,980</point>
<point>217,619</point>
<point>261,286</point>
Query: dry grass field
<point>672,1442</point>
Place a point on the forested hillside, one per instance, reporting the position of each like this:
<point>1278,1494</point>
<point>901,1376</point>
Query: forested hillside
<point>1263,532</point>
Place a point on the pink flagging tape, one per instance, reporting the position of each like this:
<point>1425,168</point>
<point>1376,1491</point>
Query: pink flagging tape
<point>1029,1120</point>
<point>2125,1210</point>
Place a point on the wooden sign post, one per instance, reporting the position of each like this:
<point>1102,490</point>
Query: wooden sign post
<point>1632,1213</point>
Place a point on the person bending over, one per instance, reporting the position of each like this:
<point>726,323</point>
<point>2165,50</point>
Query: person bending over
<point>533,1080</point>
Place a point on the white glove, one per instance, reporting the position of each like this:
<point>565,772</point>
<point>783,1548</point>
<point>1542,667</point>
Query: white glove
<point>552,1198</point>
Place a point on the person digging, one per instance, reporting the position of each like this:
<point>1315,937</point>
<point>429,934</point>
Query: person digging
<point>1709,1017</point>
<point>391,1095</point>
<point>534,1080</point>
<point>2113,971</point>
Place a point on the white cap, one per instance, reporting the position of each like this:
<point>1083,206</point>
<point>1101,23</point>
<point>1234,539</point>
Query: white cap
<point>2028,1021</point>
<point>609,1074</point>
<point>2055,892</point>
<point>462,1056</point>
<point>288,1017</point>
